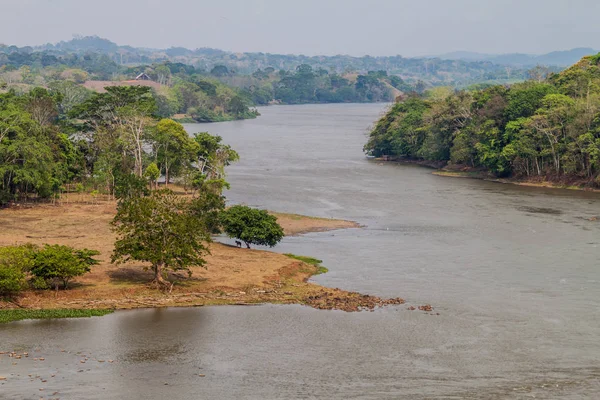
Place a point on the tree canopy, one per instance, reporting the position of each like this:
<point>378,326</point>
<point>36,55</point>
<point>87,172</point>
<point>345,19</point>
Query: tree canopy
<point>163,229</point>
<point>251,226</point>
<point>548,128</point>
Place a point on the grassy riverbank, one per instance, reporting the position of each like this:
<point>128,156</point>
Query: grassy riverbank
<point>232,275</point>
<point>18,314</point>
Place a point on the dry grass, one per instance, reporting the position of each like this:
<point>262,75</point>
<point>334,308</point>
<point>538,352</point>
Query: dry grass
<point>232,275</point>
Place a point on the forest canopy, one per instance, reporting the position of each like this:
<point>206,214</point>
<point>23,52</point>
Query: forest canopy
<point>549,127</point>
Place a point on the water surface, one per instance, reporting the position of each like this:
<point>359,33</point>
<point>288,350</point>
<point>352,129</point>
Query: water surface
<point>513,271</point>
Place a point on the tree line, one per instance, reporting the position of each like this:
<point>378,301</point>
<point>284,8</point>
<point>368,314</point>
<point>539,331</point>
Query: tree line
<point>434,71</point>
<point>308,85</point>
<point>548,127</point>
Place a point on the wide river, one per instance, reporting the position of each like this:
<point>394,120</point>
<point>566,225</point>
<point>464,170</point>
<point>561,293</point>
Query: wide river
<point>513,271</point>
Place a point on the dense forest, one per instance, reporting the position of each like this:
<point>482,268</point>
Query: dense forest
<point>177,88</point>
<point>109,143</point>
<point>109,58</point>
<point>306,85</point>
<point>546,128</point>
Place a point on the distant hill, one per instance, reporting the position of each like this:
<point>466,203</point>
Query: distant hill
<point>102,58</point>
<point>556,58</point>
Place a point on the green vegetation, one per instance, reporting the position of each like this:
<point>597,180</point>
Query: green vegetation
<point>548,127</point>
<point>310,260</point>
<point>21,314</point>
<point>56,264</point>
<point>107,142</point>
<point>251,226</point>
<point>162,229</point>
<point>306,85</point>
<point>178,89</point>
<point>209,85</point>
<point>41,268</point>
<point>15,263</point>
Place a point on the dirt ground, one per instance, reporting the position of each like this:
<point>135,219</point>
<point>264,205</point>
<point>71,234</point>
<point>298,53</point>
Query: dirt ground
<point>232,275</point>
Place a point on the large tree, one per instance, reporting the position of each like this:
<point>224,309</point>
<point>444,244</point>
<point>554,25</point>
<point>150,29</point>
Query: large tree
<point>118,121</point>
<point>251,226</point>
<point>174,149</point>
<point>163,229</point>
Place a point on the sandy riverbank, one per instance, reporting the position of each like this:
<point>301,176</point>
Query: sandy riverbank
<point>459,171</point>
<point>232,275</point>
<point>541,182</point>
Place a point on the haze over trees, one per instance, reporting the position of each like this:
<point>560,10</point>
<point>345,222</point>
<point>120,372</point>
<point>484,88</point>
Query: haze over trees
<point>540,128</point>
<point>191,81</point>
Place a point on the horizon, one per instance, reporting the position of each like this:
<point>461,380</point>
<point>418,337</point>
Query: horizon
<point>313,28</point>
<point>76,36</point>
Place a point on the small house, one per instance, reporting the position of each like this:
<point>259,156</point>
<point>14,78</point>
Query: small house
<point>142,77</point>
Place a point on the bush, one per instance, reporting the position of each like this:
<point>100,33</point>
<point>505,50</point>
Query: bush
<point>252,226</point>
<point>15,263</point>
<point>59,264</point>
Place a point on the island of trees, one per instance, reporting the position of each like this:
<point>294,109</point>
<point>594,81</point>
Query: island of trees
<point>545,129</point>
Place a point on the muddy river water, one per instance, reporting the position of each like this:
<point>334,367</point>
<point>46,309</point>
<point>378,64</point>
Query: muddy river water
<point>514,273</point>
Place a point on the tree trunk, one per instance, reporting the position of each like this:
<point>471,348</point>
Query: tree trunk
<point>159,280</point>
<point>166,175</point>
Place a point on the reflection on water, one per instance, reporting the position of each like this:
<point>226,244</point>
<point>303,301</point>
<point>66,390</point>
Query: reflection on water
<point>512,270</point>
<point>540,210</point>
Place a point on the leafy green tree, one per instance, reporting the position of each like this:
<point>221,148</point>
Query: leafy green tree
<point>162,229</point>
<point>209,203</point>
<point>118,121</point>
<point>59,264</point>
<point>213,156</point>
<point>219,70</point>
<point>524,99</point>
<point>152,173</point>
<point>251,226</point>
<point>174,148</point>
<point>29,152</point>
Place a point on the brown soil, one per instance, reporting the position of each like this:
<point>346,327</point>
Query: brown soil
<point>563,182</point>
<point>232,275</point>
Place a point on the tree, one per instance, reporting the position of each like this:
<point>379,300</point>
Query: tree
<point>118,121</point>
<point>56,263</point>
<point>163,74</point>
<point>173,148</point>
<point>29,152</point>
<point>251,226</point>
<point>219,70</point>
<point>162,229</point>
<point>213,156</point>
<point>152,173</point>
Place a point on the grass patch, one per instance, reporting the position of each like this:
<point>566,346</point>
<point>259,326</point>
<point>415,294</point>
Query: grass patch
<point>20,314</point>
<point>310,260</point>
<point>298,217</point>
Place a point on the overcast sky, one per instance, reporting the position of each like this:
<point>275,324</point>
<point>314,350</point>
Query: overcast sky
<point>311,27</point>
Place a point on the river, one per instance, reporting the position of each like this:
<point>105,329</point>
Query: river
<point>512,271</point>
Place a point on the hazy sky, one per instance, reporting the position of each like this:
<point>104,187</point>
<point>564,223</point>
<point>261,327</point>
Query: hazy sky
<point>356,27</point>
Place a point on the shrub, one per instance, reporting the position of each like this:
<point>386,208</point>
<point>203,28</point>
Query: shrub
<point>15,262</point>
<point>59,264</point>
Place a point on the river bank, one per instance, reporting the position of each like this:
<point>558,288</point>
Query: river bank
<point>461,171</point>
<point>232,275</point>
